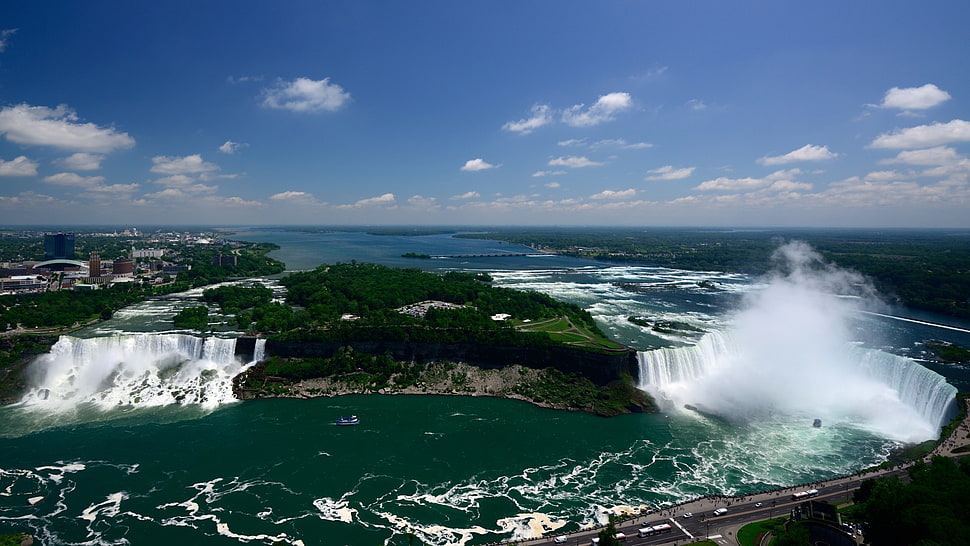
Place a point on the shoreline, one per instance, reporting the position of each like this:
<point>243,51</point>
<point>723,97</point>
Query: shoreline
<point>443,378</point>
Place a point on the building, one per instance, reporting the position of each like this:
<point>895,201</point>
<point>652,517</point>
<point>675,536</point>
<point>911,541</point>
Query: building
<point>58,246</point>
<point>94,264</point>
<point>147,252</point>
<point>223,260</point>
<point>123,267</point>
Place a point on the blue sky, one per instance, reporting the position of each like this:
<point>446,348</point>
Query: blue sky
<point>693,113</point>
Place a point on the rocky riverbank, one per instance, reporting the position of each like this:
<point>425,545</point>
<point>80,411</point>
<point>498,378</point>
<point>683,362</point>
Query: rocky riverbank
<point>549,388</point>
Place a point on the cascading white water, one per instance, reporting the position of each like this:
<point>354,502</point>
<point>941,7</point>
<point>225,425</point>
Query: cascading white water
<point>789,351</point>
<point>134,371</point>
<point>892,395</point>
<point>259,352</point>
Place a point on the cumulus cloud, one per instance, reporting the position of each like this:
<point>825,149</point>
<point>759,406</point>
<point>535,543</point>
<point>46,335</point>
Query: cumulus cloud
<point>573,162</point>
<point>18,166</point>
<point>305,95</point>
<point>297,197</point>
<point>467,195</point>
<point>291,196</point>
<point>551,184</point>
<point>541,114</point>
<point>190,164</point>
<point>474,165</point>
<point>808,152</point>
<point>605,109</point>
<point>422,202</point>
<point>748,183</point>
<point>925,136</point>
<point>610,194</point>
<point>73,179</point>
<point>231,147</point>
<point>539,174</point>
<point>386,199</point>
<point>80,161</point>
<point>939,155</point>
<point>914,98</point>
<point>4,36</point>
<point>58,127</point>
<point>668,172</point>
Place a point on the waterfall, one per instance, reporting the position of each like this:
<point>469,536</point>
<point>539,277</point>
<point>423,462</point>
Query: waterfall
<point>259,351</point>
<point>892,395</point>
<point>134,371</point>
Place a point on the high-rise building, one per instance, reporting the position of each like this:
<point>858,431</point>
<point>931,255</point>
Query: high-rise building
<point>58,246</point>
<point>94,264</point>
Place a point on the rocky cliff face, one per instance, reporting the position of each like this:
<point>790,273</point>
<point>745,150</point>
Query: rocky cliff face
<point>601,368</point>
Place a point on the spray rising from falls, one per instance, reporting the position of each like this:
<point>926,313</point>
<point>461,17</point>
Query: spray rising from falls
<point>788,352</point>
<point>136,371</point>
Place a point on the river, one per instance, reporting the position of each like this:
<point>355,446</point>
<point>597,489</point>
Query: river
<point>167,466</point>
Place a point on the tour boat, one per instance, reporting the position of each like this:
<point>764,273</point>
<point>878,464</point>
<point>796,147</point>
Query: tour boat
<point>817,423</point>
<point>346,421</point>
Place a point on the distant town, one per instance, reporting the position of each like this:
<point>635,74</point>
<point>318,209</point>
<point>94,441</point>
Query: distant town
<point>91,261</point>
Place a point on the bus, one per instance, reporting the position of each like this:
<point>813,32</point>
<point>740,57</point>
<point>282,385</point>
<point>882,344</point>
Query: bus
<point>658,529</point>
<point>802,495</point>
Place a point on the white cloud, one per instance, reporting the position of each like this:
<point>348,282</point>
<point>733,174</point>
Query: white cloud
<point>748,183</point>
<point>610,194</point>
<point>231,147</point>
<point>305,95</point>
<point>620,143</point>
<point>539,174</point>
<point>573,162</point>
<point>291,196</point>
<point>939,155</point>
<point>605,109</point>
<point>386,199</point>
<point>4,34</point>
<point>474,165</point>
<point>808,152</point>
<point>914,98</point>
<point>58,127</point>
<point>925,136</point>
<point>80,161</point>
<point>696,104</point>
<point>467,195</point>
<point>668,172</point>
<point>190,164</point>
<point>572,142</point>
<point>18,166</point>
<point>551,184</point>
<point>73,179</point>
<point>422,202</point>
<point>541,114</point>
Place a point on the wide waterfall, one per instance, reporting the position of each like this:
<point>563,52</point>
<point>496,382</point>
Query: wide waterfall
<point>889,394</point>
<point>135,371</point>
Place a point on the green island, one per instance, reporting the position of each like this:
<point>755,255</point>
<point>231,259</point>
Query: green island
<point>358,327</point>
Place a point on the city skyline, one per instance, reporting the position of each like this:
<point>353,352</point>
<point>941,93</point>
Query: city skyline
<point>472,113</point>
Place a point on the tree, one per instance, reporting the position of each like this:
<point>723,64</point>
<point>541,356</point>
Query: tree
<point>607,535</point>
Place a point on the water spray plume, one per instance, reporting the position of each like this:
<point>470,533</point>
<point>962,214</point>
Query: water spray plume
<point>788,350</point>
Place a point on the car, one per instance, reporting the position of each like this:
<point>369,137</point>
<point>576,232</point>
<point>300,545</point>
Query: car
<point>688,515</point>
<point>559,540</point>
<point>720,511</point>
<point>757,505</point>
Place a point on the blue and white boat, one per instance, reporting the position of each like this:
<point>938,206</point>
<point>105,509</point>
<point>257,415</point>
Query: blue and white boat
<point>347,421</point>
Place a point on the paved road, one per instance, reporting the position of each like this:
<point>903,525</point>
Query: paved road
<point>743,510</point>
